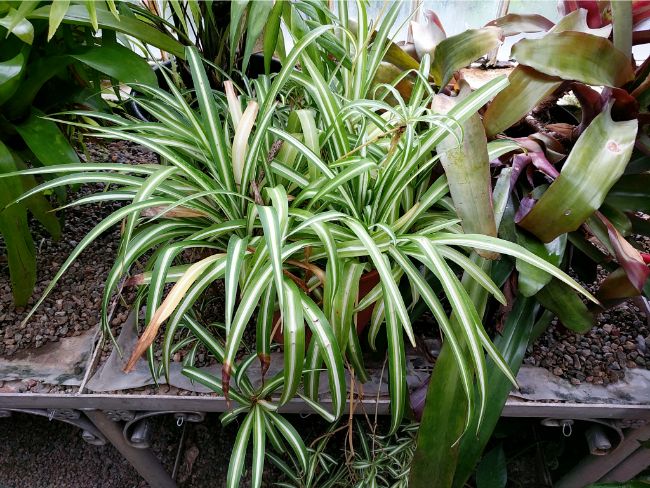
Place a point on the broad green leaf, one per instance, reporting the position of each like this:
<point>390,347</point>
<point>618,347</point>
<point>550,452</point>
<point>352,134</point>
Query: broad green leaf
<point>273,238</point>
<point>466,369</point>
<point>237,9</point>
<point>492,472</point>
<point>622,21</point>
<point>258,16</point>
<point>211,120</point>
<point>92,14</point>
<point>46,141</point>
<point>532,279</point>
<point>238,456</point>
<point>271,34</point>
<point>460,50</point>
<point>396,364</point>
<point>596,162</point>
<point>234,261</point>
<point>15,22</point>
<point>342,316</point>
<point>575,56</point>
<point>265,323</point>
<point>21,254</point>
<point>259,444</point>
<point>631,193</point>
<point>512,344</point>
<point>527,88</point>
<point>566,305</point>
<point>130,25</point>
<point>467,168</point>
<point>118,62</point>
<point>11,73</point>
<point>291,436</point>
<point>330,352</point>
<point>445,413</point>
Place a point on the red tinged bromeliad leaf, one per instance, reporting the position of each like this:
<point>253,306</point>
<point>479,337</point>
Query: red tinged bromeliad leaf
<point>596,162</point>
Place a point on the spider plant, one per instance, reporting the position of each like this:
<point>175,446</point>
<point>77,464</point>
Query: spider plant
<point>290,199</point>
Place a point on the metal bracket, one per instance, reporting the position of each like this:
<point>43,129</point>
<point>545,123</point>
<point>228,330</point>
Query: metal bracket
<point>137,431</point>
<point>89,432</point>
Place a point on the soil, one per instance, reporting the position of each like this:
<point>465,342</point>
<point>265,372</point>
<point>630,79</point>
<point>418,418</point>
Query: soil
<point>74,304</point>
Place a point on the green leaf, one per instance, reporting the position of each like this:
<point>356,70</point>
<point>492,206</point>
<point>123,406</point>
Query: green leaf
<point>330,352</point>
<point>467,168</point>
<point>11,74</point>
<point>527,88</point>
<point>271,33</point>
<point>119,63</point>
<point>259,443</point>
<point>294,340</point>
<point>237,9</point>
<point>622,21</point>
<point>446,412</point>
<point>236,251</point>
<point>631,193</point>
<point>596,162</point>
<point>211,120</point>
<point>258,16</point>
<point>512,344</point>
<point>57,12</point>
<point>92,14</point>
<point>460,50</point>
<point>126,24</point>
<point>567,306</point>
<point>344,299</point>
<point>273,238</point>
<point>17,25</point>
<point>238,456</point>
<point>492,471</point>
<point>532,279</point>
<point>576,56</point>
<point>21,255</point>
<point>46,141</point>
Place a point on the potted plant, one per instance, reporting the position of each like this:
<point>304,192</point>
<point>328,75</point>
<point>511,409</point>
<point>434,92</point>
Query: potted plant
<point>291,190</point>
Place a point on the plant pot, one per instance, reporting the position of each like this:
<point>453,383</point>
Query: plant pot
<point>366,283</point>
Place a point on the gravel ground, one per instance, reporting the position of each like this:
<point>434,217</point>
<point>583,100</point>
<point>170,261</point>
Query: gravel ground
<point>74,304</point>
<point>620,340</point>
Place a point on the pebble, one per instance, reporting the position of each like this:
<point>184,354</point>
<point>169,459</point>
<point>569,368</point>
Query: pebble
<point>621,341</point>
<point>73,305</point>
